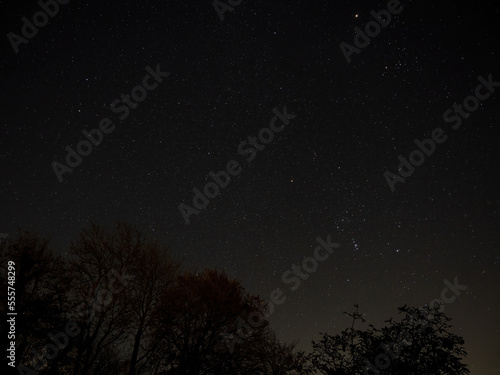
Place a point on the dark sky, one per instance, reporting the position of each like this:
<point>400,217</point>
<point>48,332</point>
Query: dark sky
<point>323,174</point>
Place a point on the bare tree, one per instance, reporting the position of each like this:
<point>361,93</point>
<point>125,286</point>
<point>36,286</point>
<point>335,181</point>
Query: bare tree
<point>154,272</point>
<point>195,317</point>
<point>119,277</point>
<point>98,303</point>
<point>278,358</point>
<point>41,284</point>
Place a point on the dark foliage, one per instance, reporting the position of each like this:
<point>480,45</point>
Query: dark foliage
<point>134,311</point>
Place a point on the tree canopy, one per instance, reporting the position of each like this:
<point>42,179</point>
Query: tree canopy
<point>123,304</point>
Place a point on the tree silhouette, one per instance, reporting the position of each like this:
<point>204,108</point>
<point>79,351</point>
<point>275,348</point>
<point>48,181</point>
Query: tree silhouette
<point>119,276</point>
<point>40,294</point>
<point>196,317</point>
<point>103,315</point>
<point>419,344</point>
<point>137,313</point>
<point>278,358</point>
<point>154,271</point>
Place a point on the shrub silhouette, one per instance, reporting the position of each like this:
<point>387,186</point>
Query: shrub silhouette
<point>420,343</point>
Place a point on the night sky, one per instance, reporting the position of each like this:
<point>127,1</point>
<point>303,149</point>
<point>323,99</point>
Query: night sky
<point>321,175</point>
